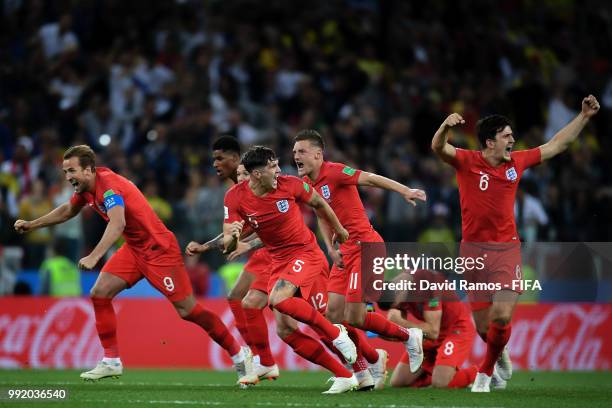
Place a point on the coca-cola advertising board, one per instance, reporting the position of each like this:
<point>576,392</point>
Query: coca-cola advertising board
<point>60,333</point>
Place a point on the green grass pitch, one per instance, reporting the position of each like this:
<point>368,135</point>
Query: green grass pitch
<point>157,388</point>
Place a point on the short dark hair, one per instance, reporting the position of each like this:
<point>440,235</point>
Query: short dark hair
<point>257,156</point>
<point>87,157</point>
<point>489,126</point>
<point>311,135</point>
<point>227,144</point>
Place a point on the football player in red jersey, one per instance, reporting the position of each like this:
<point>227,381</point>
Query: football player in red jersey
<point>249,295</point>
<point>150,251</point>
<point>448,327</point>
<point>337,184</point>
<point>269,203</point>
<point>487,181</point>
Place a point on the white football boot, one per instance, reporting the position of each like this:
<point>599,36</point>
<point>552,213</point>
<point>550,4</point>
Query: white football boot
<point>342,384</point>
<point>481,383</point>
<point>345,345</point>
<point>414,348</point>
<point>379,369</point>
<point>103,370</point>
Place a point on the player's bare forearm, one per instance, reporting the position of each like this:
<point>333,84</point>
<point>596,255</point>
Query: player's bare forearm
<point>215,243</point>
<point>428,328</point>
<point>560,141</point>
<point>375,180</point>
<point>326,214</point>
<point>112,233</point>
<point>255,243</point>
<point>439,143</point>
<point>57,216</point>
<point>563,138</point>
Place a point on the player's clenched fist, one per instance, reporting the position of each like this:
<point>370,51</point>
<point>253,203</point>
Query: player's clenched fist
<point>88,263</point>
<point>194,248</point>
<point>454,119</point>
<point>590,106</point>
<point>22,226</point>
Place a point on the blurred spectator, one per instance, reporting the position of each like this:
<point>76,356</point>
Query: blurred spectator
<point>161,207</point>
<point>57,38</point>
<point>438,231</point>
<point>59,276</point>
<point>23,167</point>
<point>530,215</point>
<point>32,206</point>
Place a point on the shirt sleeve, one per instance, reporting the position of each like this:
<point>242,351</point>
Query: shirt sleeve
<point>301,190</point>
<point>343,175</point>
<point>77,200</point>
<point>433,303</point>
<point>525,159</point>
<point>462,158</point>
<point>230,207</point>
<point>112,197</point>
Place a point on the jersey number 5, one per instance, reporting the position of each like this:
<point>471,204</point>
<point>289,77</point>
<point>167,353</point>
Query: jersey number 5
<point>297,265</point>
<point>484,182</point>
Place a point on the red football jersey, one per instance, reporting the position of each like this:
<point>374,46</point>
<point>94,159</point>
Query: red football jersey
<point>144,232</point>
<point>454,311</point>
<point>275,217</point>
<point>487,194</point>
<point>337,184</point>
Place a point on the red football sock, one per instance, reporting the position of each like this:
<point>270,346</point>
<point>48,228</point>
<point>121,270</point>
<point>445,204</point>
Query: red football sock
<point>303,312</point>
<point>463,377</point>
<point>214,327</point>
<point>240,321</point>
<point>258,332</point>
<point>106,325</point>
<point>307,347</point>
<point>497,338</point>
<point>361,342</point>
<point>379,324</point>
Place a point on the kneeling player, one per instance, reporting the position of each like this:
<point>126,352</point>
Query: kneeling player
<point>449,332</point>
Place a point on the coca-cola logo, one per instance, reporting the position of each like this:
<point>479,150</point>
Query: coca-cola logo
<point>558,337</point>
<point>63,336</point>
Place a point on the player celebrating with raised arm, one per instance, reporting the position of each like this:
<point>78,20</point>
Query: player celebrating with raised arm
<point>337,184</point>
<point>150,251</point>
<point>487,181</point>
<point>249,295</point>
<point>269,202</point>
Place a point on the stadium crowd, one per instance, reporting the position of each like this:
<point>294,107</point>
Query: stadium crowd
<point>150,85</point>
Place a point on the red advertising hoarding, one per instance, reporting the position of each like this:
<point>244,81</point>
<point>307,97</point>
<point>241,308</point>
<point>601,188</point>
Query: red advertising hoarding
<point>60,333</point>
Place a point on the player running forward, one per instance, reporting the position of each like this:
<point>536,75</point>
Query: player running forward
<point>487,181</point>
<point>150,251</point>
<point>337,184</point>
<point>269,203</point>
<point>249,295</point>
<point>448,328</point>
